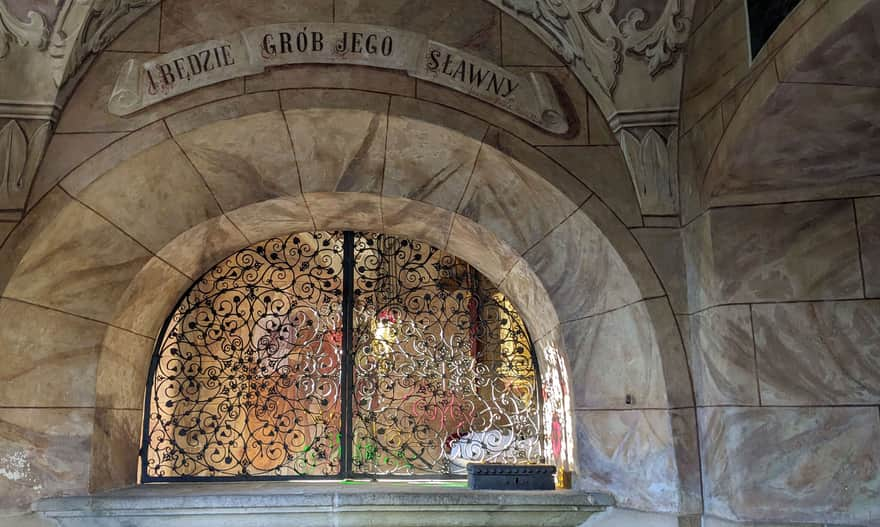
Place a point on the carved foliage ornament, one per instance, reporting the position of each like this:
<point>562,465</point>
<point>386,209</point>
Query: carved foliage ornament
<point>80,29</point>
<point>587,31</point>
<point>83,30</point>
<point>33,32</point>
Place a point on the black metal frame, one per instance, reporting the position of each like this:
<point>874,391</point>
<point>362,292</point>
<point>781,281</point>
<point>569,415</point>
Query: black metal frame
<point>347,373</point>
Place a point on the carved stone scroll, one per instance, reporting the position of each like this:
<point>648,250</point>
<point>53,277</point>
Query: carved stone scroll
<point>143,83</point>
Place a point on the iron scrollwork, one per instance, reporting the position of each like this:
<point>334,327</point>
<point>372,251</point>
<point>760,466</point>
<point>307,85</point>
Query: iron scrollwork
<point>250,379</point>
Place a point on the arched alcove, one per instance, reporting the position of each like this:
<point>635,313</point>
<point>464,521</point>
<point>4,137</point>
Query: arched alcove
<point>346,354</point>
<point>143,218</point>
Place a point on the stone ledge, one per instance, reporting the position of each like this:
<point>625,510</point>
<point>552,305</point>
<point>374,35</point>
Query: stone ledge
<point>322,504</point>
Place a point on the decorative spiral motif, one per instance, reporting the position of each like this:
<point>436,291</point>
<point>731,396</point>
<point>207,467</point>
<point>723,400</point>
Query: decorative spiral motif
<point>444,371</point>
<point>247,378</point>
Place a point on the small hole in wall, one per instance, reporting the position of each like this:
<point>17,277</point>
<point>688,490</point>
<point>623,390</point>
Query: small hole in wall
<point>630,400</point>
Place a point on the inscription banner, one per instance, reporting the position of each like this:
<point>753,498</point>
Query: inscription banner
<point>249,52</point>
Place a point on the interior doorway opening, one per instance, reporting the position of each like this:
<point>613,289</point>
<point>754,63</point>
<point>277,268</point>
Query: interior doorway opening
<point>332,355</point>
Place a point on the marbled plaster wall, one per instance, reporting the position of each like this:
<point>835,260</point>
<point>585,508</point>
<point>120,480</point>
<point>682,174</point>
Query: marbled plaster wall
<point>780,317</point>
<point>782,338</point>
<point>126,212</point>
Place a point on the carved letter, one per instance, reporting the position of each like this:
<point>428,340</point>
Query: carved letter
<point>269,49</point>
<point>433,60</point>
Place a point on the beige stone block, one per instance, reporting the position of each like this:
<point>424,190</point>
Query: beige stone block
<point>662,221</point>
<point>806,33</point>
<point>521,47</point>
<point>431,152</point>
<point>471,26</point>
<point>150,297</point>
<point>186,22</point>
<point>480,247</point>
<point>665,251</point>
<point>597,126</point>
<point>636,456</point>
<point>517,204</point>
<point>195,251</point>
<point>334,211</point>
<point>740,110</point>
<point>112,156</point>
<point>801,251</point>
<point>225,110</point>
<point>581,270</point>
<point>122,370</point>
<point>634,351</point>
<point>573,97</point>
<point>5,230</point>
<point>868,220</point>
<point>42,453</point>
<point>245,160</point>
<point>153,197</point>
<point>65,153</point>
<point>626,246</point>
<point>816,464</point>
<point>339,138</point>
<point>721,353</point>
<point>750,95</point>
<point>847,55</point>
<point>142,35</point>
<point>718,61</point>
<point>603,170</point>
<point>86,111</point>
<point>82,274</point>
<point>788,156</point>
<point>536,161</point>
<point>696,149</point>
<point>49,358</point>
<point>25,233</point>
<point>525,290</point>
<point>333,76</point>
<point>818,353</point>
<point>115,444</point>
<point>274,218</point>
<point>416,220</point>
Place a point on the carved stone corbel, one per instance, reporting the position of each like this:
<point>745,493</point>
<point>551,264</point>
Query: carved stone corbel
<point>649,140</point>
<point>22,145</point>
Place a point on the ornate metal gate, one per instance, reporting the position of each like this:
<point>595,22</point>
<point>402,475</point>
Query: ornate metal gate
<point>331,355</point>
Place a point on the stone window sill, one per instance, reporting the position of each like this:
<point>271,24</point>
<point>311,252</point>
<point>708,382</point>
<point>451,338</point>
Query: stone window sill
<point>302,504</point>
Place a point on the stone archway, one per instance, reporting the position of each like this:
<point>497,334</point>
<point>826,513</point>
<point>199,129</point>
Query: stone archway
<point>120,236</point>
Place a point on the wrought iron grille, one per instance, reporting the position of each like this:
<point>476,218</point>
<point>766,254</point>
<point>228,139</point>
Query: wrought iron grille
<point>330,355</point>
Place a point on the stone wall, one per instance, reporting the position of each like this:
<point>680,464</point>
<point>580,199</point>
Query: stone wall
<point>781,322</point>
<point>781,335</point>
<point>722,365</point>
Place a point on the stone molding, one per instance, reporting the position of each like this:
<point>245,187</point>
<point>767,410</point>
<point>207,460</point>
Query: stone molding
<point>29,110</point>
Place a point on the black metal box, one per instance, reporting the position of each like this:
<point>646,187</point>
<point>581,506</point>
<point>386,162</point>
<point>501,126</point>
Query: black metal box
<point>490,476</point>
